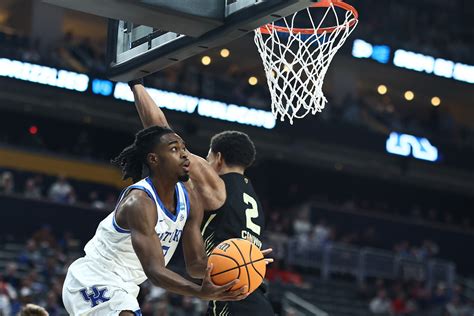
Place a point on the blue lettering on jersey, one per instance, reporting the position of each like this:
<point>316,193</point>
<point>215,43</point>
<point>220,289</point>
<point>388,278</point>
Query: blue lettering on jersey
<point>171,236</point>
<point>95,297</point>
<point>167,234</point>
<point>165,250</point>
<point>177,235</point>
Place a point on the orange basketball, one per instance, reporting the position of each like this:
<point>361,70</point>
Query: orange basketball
<point>238,259</point>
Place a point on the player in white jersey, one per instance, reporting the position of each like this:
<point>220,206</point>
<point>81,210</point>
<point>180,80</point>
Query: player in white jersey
<point>137,240</point>
<point>226,194</point>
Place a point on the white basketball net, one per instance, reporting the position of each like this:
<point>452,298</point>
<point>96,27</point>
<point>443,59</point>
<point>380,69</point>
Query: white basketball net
<point>295,64</point>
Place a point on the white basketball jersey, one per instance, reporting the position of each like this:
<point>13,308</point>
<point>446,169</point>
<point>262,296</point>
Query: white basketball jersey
<point>112,247</point>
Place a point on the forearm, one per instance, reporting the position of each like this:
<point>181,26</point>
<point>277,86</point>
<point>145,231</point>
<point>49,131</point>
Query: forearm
<point>193,245</point>
<point>197,268</point>
<point>150,114</point>
<point>173,282</point>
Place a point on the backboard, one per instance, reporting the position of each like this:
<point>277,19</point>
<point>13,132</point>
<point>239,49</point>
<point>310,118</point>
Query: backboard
<point>148,35</point>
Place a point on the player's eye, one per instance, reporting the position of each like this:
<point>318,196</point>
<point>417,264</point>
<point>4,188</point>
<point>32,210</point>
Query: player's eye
<point>174,149</point>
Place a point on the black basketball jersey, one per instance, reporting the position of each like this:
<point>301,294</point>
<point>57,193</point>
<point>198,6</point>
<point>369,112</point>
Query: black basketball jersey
<point>241,216</point>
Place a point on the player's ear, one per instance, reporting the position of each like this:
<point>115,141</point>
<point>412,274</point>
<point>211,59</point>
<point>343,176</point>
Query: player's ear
<point>152,159</point>
<point>219,159</point>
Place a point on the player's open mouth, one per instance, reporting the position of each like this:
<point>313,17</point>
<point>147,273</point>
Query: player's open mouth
<point>186,166</point>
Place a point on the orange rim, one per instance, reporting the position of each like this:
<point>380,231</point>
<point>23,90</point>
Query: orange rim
<point>267,29</point>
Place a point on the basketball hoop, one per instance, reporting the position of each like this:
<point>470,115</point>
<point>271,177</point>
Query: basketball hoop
<point>296,59</point>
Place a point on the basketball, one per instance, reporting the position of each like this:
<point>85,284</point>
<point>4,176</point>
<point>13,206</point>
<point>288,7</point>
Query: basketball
<point>238,259</point>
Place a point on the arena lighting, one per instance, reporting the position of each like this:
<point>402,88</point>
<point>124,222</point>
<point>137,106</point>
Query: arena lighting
<point>102,87</point>
<point>409,95</point>
<point>169,100</point>
<point>362,49</point>
<point>253,81</point>
<point>207,108</point>
<point>404,144</point>
<point>382,89</point>
<point>225,53</point>
<point>437,66</point>
<point>33,130</point>
<point>414,61</point>
<point>435,101</point>
<point>43,75</point>
<point>206,60</point>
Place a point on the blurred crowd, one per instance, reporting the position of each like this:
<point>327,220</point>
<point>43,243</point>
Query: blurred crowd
<point>36,272</point>
<point>383,114</point>
<point>426,214</point>
<point>414,297</point>
<point>320,233</point>
<point>59,190</point>
<point>433,27</point>
<point>70,52</point>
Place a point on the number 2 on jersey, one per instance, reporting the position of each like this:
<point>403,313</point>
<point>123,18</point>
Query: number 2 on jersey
<point>250,213</point>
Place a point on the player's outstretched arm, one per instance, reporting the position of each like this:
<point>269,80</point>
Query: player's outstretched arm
<point>193,245</point>
<point>141,217</point>
<point>150,113</point>
<point>209,185</point>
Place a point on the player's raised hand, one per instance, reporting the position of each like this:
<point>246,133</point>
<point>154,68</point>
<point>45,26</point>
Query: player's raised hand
<point>266,252</point>
<point>211,291</point>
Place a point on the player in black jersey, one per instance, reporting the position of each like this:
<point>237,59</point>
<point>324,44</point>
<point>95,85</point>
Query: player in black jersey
<point>239,216</point>
<point>233,208</point>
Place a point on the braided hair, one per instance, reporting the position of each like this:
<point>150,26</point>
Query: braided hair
<point>132,159</point>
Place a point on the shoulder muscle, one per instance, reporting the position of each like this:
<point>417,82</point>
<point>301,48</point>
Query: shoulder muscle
<point>139,212</point>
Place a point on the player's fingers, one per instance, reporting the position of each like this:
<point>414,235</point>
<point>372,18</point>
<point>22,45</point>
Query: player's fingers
<point>239,291</point>
<point>228,286</point>
<point>244,289</point>
<point>209,270</point>
<point>238,294</point>
<point>269,260</point>
<point>266,251</point>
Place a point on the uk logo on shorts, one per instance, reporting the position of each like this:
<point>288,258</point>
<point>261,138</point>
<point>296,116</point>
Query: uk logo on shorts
<point>95,296</point>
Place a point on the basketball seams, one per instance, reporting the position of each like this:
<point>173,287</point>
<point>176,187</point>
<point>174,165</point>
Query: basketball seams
<point>243,258</point>
<point>251,261</point>
<point>258,272</point>
<point>250,252</point>
<point>229,257</point>
<point>239,266</point>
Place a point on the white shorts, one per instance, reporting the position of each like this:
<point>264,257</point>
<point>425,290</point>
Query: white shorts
<point>90,289</point>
